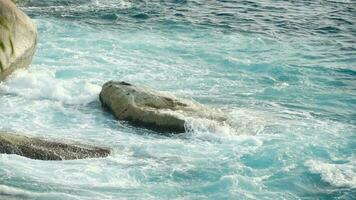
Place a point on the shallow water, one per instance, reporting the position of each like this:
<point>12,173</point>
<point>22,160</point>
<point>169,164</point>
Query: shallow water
<point>283,71</point>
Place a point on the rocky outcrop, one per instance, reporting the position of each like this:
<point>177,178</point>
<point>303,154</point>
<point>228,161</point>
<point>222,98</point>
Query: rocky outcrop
<point>18,38</point>
<point>151,109</point>
<point>16,1</point>
<point>40,149</point>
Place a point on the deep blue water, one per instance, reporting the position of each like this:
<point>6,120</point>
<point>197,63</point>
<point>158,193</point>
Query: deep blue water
<point>284,72</point>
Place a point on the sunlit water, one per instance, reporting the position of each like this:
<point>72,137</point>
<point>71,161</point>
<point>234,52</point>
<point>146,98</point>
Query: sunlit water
<point>284,72</point>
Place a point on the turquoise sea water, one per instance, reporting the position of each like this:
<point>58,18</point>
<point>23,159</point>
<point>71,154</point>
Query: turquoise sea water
<point>284,72</point>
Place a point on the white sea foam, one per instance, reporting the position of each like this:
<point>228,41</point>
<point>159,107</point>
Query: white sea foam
<point>13,193</point>
<point>10,193</point>
<point>207,125</point>
<point>91,5</point>
<point>111,3</point>
<point>340,175</point>
<point>245,121</point>
<point>238,122</point>
<point>43,84</point>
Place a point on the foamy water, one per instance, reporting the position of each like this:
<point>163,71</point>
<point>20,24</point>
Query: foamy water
<point>282,72</point>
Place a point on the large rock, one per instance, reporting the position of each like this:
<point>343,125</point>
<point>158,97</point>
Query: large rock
<point>16,1</point>
<point>40,149</point>
<point>151,109</point>
<point>18,38</point>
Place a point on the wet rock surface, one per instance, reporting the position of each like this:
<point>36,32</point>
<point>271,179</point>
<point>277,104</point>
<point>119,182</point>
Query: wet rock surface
<point>40,149</point>
<point>148,108</point>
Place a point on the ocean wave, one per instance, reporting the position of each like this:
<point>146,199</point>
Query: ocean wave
<point>339,175</point>
<point>234,122</point>
<point>78,6</point>
<point>13,193</point>
<point>43,84</point>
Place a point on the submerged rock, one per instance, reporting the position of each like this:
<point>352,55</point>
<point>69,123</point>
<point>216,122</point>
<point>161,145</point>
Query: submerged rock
<point>18,38</point>
<point>40,149</point>
<point>151,109</point>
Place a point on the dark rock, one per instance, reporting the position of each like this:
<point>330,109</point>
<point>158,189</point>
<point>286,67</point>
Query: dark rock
<point>40,149</point>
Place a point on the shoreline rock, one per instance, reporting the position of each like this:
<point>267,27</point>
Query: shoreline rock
<point>41,149</point>
<point>18,39</point>
<point>16,1</point>
<point>151,109</point>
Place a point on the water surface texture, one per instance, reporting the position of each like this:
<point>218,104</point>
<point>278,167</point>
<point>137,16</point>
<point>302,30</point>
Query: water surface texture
<point>284,72</point>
